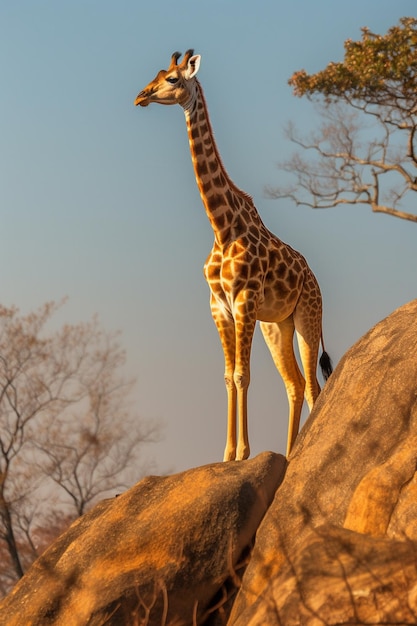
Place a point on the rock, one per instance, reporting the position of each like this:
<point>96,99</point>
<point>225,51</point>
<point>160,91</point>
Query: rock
<point>336,577</point>
<point>157,554</point>
<point>337,545</point>
<point>353,467</point>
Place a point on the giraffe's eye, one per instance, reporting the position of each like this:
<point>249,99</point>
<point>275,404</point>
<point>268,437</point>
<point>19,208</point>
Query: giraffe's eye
<point>172,80</point>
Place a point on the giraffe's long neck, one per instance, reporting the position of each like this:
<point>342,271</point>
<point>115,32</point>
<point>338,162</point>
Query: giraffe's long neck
<point>228,208</point>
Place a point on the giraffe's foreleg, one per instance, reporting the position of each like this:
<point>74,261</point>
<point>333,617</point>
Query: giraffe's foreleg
<point>242,384</point>
<point>279,339</point>
<point>231,435</point>
<point>226,328</point>
<point>245,320</point>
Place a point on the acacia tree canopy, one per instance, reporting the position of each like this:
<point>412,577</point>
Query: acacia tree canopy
<point>365,150</point>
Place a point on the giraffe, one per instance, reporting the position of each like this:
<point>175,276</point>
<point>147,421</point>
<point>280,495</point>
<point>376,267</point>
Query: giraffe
<point>252,275</point>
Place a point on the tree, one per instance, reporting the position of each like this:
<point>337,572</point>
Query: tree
<point>67,434</point>
<point>365,150</point>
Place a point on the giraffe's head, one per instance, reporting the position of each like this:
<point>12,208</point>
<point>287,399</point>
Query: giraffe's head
<point>174,85</point>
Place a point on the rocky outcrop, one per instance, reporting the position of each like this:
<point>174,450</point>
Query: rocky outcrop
<point>336,576</point>
<point>353,467</point>
<point>337,545</point>
<point>157,554</point>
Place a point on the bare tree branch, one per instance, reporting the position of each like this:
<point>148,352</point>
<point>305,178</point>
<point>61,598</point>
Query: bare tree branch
<point>67,432</point>
<point>349,164</point>
<point>349,161</point>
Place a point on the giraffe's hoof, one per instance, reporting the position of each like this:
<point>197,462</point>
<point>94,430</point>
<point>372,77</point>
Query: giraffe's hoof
<point>243,453</point>
<point>229,455</point>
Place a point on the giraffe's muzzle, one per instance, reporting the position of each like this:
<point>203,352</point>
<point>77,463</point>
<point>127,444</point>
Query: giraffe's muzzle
<point>142,99</point>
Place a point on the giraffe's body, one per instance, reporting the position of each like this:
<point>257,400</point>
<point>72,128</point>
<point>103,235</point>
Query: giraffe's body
<point>251,273</point>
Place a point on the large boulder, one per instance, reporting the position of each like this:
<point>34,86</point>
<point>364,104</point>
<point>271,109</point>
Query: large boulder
<point>353,469</point>
<point>337,576</point>
<point>157,554</point>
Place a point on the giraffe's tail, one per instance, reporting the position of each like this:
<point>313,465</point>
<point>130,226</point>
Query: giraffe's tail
<point>325,362</point>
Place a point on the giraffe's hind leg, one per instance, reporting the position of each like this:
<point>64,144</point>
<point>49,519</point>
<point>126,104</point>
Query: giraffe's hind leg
<point>307,320</point>
<point>309,354</point>
<point>279,339</point>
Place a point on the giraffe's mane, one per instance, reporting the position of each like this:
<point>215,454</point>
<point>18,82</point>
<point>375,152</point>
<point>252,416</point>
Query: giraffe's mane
<point>232,185</point>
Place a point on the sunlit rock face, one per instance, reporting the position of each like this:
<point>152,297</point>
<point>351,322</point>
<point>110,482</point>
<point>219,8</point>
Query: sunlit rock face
<point>353,471</point>
<point>158,553</point>
<point>336,576</point>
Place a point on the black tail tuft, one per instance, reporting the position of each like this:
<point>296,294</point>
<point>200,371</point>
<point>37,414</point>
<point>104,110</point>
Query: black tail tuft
<point>325,363</point>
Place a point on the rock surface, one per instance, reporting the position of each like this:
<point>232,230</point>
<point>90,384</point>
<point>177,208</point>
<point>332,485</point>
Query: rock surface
<point>353,467</point>
<point>337,545</point>
<point>157,554</point>
<point>337,576</point>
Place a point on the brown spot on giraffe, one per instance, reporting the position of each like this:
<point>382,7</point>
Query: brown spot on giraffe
<point>252,274</point>
<point>199,150</point>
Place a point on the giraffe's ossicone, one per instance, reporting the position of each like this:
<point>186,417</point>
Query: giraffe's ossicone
<point>251,273</point>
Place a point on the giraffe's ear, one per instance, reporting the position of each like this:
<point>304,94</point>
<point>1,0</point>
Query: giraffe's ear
<point>192,66</point>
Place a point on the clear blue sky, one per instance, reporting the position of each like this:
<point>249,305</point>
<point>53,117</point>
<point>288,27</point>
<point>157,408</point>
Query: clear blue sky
<point>99,202</point>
